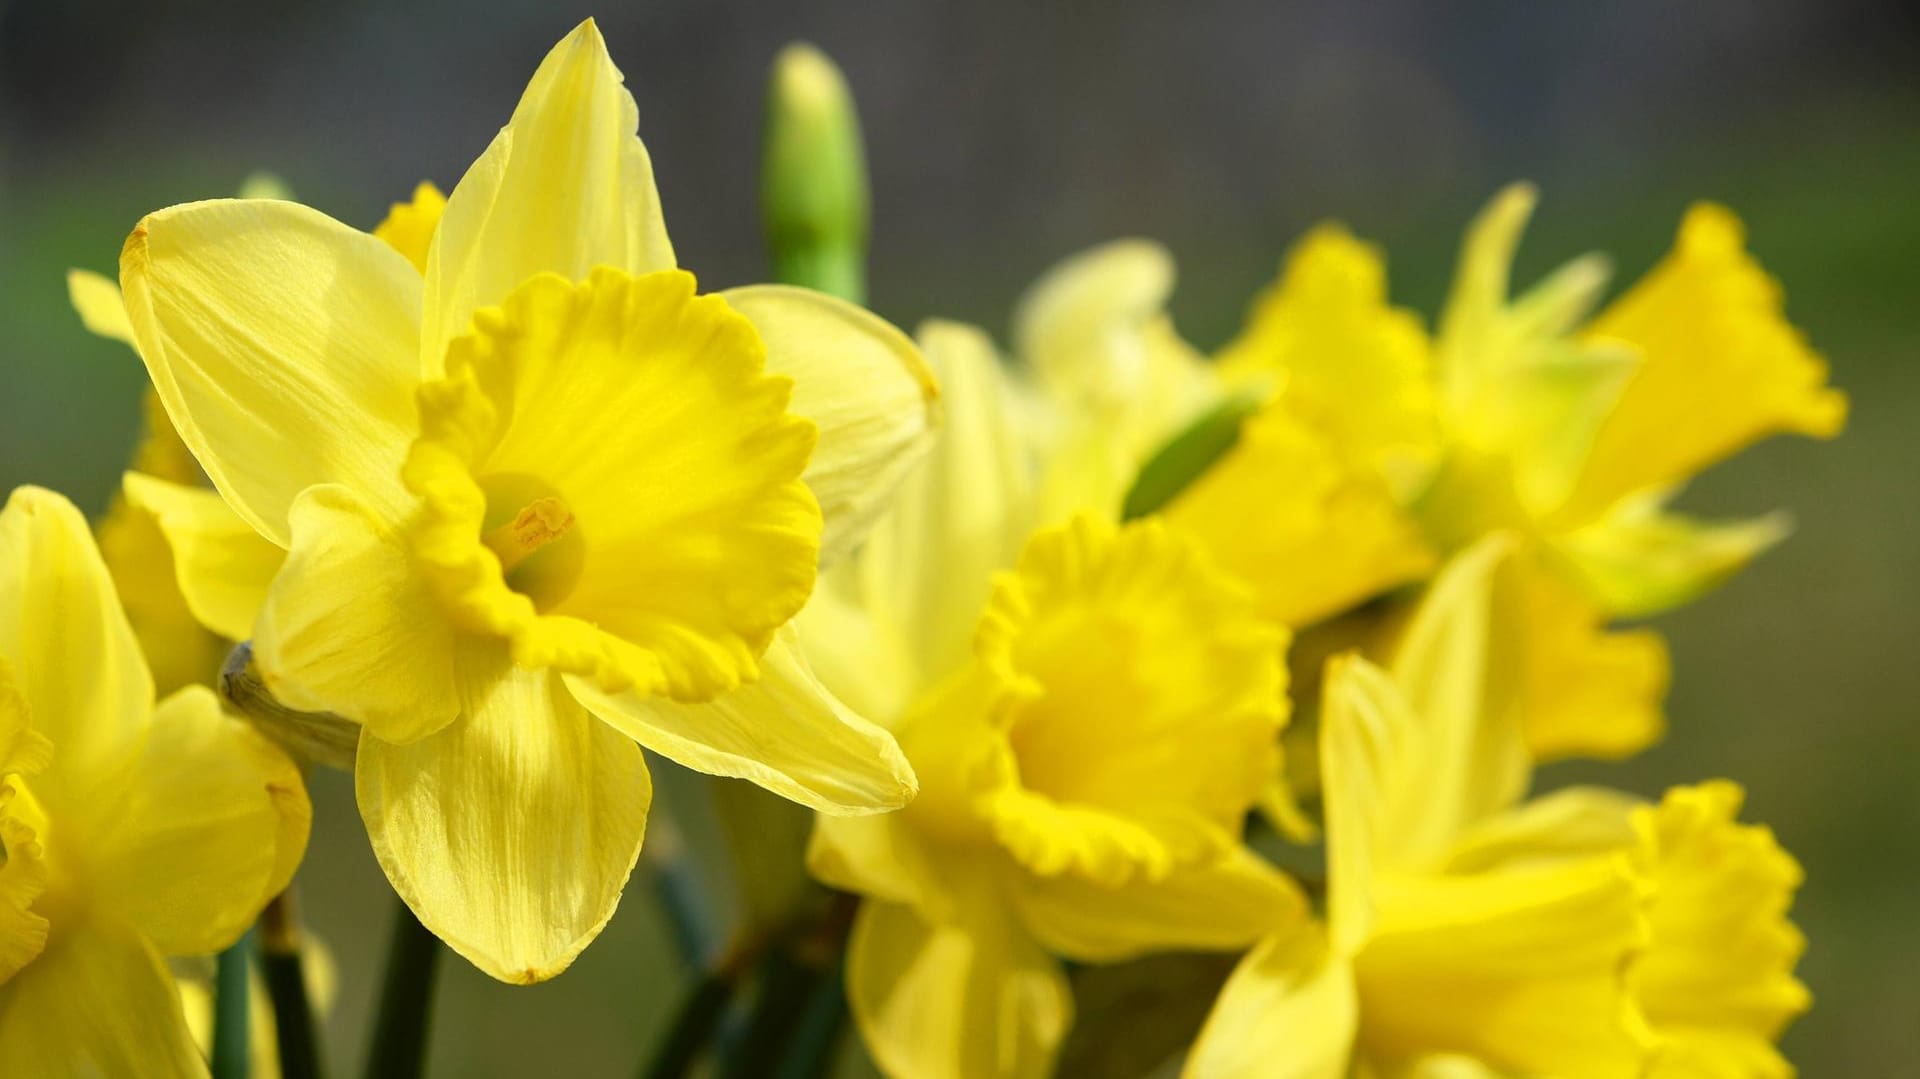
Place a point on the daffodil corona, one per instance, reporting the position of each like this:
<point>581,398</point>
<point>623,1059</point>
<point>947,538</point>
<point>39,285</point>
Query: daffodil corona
<point>129,831</point>
<point>539,500</point>
<point>1084,782</point>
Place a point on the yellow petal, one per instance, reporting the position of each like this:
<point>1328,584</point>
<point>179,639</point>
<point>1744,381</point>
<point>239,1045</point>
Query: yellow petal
<point>194,833</point>
<point>99,1001</point>
<point>863,384</point>
<point>222,566</point>
<point>1572,822</point>
<point>785,732</point>
<point>960,517</point>
<point>1639,560</point>
<point>1722,367</point>
<point>1718,979</point>
<point>1313,535</point>
<point>1524,969</point>
<point>1082,326</point>
<point>409,226</point>
<point>1349,366</point>
<point>638,421</point>
<point>75,660</point>
<point>1287,1012</point>
<point>861,655</point>
<point>881,855</point>
<point>1219,904</point>
<point>1365,731</point>
<point>972,1000</point>
<point>1460,666</point>
<point>1589,692</point>
<point>23,750</point>
<point>284,345</point>
<point>525,792</point>
<point>322,648</point>
<point>179,648</point>
<point>566,186</point>
<point>97,300</point>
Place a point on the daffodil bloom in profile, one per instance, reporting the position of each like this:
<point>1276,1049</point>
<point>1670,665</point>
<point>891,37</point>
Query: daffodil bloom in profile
<point>1582,934</point>
<point>1382,450</point>
<point>1084,782</point>
<point>130,831</point>
<point>538,503</point>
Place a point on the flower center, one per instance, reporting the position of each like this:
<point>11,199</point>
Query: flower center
<point>533,531</point>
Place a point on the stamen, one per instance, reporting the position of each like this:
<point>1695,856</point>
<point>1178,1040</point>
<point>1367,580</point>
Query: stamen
<point>542,521</point>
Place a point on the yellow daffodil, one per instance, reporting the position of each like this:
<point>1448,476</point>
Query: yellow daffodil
<point>1582,934</point>
<point>1084,782</point>
<point>538,503</point>
<point>1380,449</point>
<point>129,832</point>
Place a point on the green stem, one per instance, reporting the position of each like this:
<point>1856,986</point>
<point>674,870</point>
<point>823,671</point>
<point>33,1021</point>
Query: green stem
<point>786,985</point>
<point>285,974</point>
<point>694,1025</point>
<point>811,1053</point>
<point>399,1047</point>
<point>231,1015</point>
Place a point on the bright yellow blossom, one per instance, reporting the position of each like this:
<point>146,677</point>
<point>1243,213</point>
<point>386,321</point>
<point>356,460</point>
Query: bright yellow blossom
<point>130,832</point>
<point>1380,449</point>
<point>1582,934</point>
<point>1084,783</point>
<point>538,503</point>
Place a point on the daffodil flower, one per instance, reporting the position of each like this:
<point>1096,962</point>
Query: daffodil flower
<point>1469,934</point>
<point>1381,451</point>
<point>1084,783</point>
<point>129,831</point>
<point>538,503</point>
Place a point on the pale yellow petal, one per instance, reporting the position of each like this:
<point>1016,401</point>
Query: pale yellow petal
<point>321,647</point>
<point>1639,560</point>
<point>192,835</point>
<point>283,344</point>
<point>637,421</point>
<point>1082,326</point>
<point>75,660</point>
<point>785,732</point>
<point>566,186</point>
<point>1218,904</point>
<point>861,656</point>
<point>1722,367</point>
<point>1525,969</point>
<point>98,1002</point>
<point>1460,665</point>
<point>883,856</point>
<point>221,564</point>
<point>409,226</point>
<point>1572,822</point>
<point>1287,1012</point>
<point>1365,735</point>
<point>927,566</point>
<point>866,387</point>
<point>1312,534</point>
<point>511,832</point>
<point>97,300</point>
<point>972,1000</point>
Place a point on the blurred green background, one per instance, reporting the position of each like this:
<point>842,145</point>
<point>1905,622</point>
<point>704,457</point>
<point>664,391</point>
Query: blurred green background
<point>1006,135</point>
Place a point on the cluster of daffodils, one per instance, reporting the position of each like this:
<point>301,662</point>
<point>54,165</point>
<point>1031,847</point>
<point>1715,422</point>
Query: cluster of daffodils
<point>1069,652</point>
